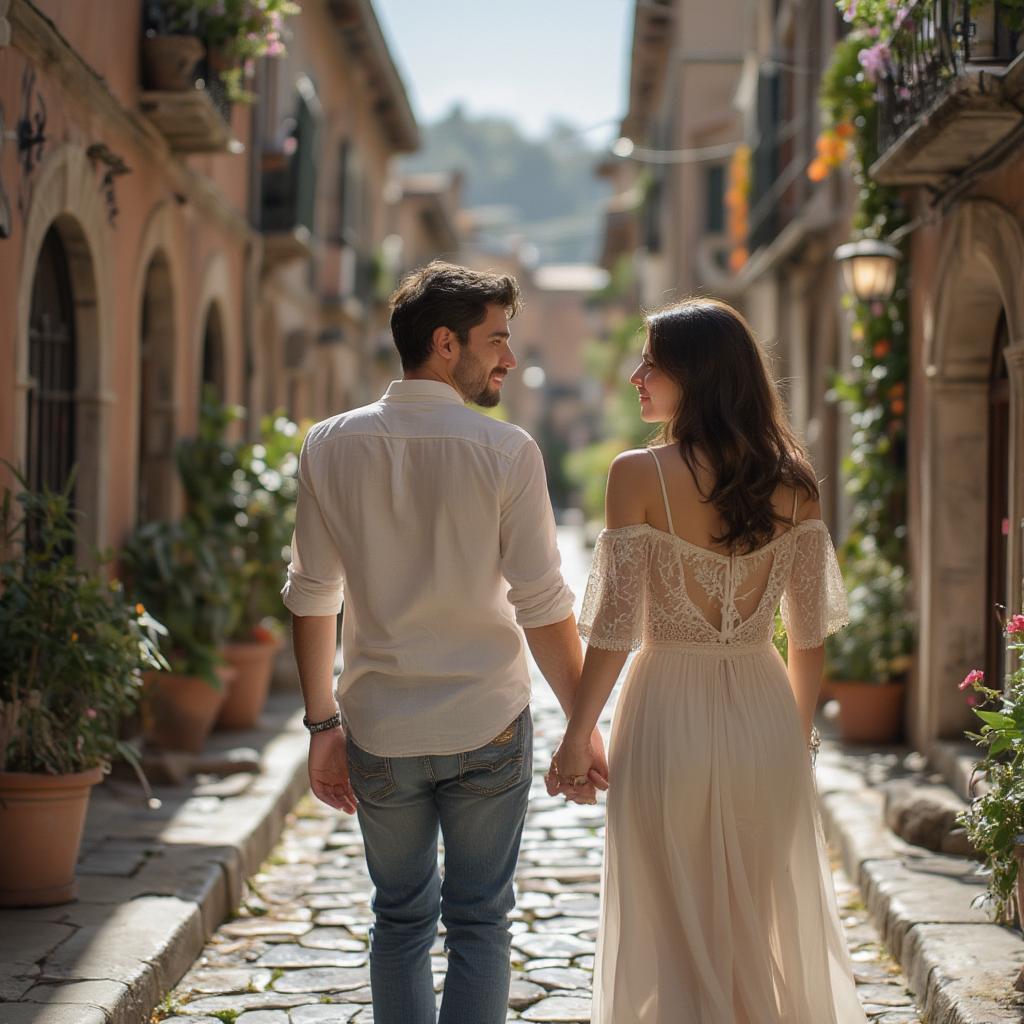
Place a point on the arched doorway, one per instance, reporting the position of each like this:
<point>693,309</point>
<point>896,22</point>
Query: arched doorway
<point>213,365</point>
<point>967,462</point>
<point>157,338</point>
<point>52,408</point>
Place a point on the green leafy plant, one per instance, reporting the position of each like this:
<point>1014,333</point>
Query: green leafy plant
<point>243,495</point>
<point>239,31</point>
<point>177,570</point>
<point>877,644</point>
<point>995,820</point>
<point>72,645</point>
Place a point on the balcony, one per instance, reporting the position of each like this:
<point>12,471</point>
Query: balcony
<point>195,115</point>
<point>950,98</point>
<point>286,210</point>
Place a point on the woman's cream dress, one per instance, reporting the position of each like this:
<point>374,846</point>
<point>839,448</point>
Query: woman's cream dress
<point>717,898</point>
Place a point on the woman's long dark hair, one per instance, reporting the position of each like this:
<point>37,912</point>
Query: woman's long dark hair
<point>730,412</point>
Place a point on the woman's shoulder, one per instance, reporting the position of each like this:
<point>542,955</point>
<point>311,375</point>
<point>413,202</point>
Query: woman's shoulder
<point>629,483</point>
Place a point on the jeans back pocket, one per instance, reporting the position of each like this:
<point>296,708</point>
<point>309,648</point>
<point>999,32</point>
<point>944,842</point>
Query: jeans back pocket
<point>498,765</point>
<point>370,775</point>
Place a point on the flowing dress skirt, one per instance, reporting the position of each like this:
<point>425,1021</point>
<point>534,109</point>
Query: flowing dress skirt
<point>717,897</point>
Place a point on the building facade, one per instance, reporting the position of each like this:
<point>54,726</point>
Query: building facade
<point>154,241</point>
<point>953,141</point>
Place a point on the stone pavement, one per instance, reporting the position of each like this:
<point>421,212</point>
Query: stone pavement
<point>297,953</point>
<point>155,886</point>
<point>154,882</point>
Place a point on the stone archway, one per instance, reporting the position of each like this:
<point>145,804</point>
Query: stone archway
<point>980,278</point>
<point>65,198</point>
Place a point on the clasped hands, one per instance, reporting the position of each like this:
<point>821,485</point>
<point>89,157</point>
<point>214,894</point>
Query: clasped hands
<point>578,770</point>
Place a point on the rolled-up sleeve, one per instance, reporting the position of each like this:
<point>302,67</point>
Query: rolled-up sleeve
<point>529,551</point>
<point>316,575</point>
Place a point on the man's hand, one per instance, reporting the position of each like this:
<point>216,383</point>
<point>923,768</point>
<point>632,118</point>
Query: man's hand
<point>328,770</point>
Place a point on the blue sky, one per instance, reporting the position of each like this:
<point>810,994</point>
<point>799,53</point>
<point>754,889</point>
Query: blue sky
<point>531,60</point>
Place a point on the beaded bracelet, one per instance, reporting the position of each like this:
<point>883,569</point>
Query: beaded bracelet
<point>328,723</point>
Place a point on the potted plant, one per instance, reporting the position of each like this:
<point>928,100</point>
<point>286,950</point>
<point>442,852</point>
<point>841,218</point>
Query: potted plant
<point>72,649</point>
<point>237,33</point>
<point>245,493</point>
<point>866,662</point>
<point>171,48</point>
<point>995,819</point>
<point>177,570</point>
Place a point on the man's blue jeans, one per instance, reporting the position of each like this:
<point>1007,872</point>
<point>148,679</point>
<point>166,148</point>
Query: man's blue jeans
<point>478,801</point>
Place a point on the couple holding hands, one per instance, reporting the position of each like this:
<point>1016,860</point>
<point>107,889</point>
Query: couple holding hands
<point>433,523</point>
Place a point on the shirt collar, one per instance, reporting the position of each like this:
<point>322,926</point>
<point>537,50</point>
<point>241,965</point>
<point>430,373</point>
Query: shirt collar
<point>421,391</point>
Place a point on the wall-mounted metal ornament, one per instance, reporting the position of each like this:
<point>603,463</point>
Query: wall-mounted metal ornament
<point>100,153</point>
<point>32,123</point>
<point>5,202</point>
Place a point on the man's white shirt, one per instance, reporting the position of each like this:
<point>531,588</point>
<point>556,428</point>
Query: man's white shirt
<point>433,523</point>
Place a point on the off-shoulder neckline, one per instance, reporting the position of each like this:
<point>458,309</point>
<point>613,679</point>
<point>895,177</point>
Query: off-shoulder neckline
<point>818,523</point>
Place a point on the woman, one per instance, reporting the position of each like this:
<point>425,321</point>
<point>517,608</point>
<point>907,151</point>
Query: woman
<point>717,901</point>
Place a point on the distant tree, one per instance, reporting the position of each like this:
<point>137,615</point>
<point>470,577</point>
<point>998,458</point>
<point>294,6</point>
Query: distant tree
<point>553,198</point>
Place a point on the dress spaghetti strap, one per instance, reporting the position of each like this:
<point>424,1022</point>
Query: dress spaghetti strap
<point>796,501</point>
<point>664,492</point>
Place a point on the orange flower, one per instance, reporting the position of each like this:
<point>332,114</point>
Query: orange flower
<point>845,130</point>
<point>140,608</point>
<point>737,258</point>
<point>818,170</point>
<point>898,388</point>
<point>897,406</point>
<point>881,349</point>
<point>74,638</point>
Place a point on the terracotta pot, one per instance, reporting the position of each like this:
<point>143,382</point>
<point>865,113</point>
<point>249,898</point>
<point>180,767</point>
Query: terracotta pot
<point>253,662</point>
<point>169,62</point>
<point>41,822</point>
<point>179,711</point>
<point>868,712</point>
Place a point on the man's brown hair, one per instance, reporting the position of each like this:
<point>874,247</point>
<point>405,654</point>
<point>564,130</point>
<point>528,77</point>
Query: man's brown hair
<point>445,295</point>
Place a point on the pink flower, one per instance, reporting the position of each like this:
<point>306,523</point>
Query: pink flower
<point>972,677</point>
<point>972,701</point>
<point>874,60</point>
<point>90,713</point>
<point>1015,625</point>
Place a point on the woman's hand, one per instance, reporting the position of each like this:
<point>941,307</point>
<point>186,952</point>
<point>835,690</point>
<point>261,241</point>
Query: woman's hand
<point>578,770</point>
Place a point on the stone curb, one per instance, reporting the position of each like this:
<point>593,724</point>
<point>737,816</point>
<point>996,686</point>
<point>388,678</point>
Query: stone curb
<point>959,965</point>
<point>110,957</point>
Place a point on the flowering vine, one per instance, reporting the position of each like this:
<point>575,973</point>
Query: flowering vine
<point>873,388</point>
<point>737,205</point>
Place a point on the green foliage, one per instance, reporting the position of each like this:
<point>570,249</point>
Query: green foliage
<point>240,30</point>
<point>266,486</point>
<point>72,647</point>
<point>995,820</point>
<point>873,389</point>
<point>242,496</point>
<point>609,361</point>
<point>178,571</point>
<point>877,644</point>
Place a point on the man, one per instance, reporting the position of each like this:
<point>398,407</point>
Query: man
<point>434,522</point>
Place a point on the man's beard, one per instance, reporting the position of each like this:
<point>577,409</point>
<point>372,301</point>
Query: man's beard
<point>473,381</point>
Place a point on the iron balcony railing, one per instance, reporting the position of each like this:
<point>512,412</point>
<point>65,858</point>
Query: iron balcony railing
<point>935,42</point>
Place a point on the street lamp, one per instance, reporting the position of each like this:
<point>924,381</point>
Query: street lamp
<point>869,268</point>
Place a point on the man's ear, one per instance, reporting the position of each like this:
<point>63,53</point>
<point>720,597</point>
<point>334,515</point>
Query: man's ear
<point>445,343</point>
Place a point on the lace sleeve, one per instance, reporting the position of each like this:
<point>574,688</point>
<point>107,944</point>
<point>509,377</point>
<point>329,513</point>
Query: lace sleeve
<point>613,606</point>
<point>814,603</point>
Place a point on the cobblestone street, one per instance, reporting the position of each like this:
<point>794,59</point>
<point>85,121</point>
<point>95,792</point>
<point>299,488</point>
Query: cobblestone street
<point>297,951</point>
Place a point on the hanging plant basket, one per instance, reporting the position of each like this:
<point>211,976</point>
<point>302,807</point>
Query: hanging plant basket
<point>169,62</point>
